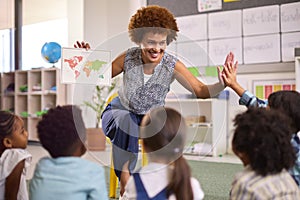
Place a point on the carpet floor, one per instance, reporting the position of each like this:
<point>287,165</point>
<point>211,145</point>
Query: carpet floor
<point>215,178</point>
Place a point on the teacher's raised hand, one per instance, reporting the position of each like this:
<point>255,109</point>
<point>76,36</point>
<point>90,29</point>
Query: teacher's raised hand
<point>82,44</point>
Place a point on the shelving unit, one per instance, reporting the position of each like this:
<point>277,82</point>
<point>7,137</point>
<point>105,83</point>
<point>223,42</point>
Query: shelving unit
<point>209,138</point>
<point>34,92</point>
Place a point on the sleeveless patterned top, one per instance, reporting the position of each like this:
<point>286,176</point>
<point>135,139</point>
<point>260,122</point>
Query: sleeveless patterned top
<point>137,96</point>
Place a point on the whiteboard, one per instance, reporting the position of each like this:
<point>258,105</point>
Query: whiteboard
<point>290,17</point>
<point>192,27</point>
<point>225,24</point>
<point>289,41</point>
<point>218,49</point>
<point>262,49</point>
<point>193,53</point>
<point>261,20</point>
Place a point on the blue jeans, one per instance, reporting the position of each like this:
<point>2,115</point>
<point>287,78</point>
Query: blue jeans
<point>122,127</point>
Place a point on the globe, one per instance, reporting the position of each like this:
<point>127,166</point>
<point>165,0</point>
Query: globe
<point>51,52</point>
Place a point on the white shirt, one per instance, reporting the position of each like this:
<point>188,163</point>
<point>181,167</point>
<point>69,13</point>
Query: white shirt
<point>155,178</point>
<point>8,161</point>
<point>147,77</point>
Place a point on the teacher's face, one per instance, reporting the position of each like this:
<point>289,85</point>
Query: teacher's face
<point>153,46</point>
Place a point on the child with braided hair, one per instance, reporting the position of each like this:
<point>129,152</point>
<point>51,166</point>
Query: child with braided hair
<point>14,159</point>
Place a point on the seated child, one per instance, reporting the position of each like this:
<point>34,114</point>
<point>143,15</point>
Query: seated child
<point>14,159</point>
<point>286,102</point>
<point>167,176</point>
<point>65,175</point>
<point>260,141</point>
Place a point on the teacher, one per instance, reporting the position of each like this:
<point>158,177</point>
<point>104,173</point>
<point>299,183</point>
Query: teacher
<point>148,70</point>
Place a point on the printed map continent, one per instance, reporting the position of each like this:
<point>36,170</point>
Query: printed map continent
<point>88,66</point>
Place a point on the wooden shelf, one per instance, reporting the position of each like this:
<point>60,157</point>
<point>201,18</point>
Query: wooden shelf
<point>38,97</point>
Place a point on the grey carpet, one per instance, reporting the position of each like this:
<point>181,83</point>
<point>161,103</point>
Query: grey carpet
<point>215,178</point>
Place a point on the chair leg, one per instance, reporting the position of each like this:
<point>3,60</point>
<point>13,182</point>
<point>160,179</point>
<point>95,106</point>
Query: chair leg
<point>113,180</point>
<point>144,157</point>
<point>113,183</point>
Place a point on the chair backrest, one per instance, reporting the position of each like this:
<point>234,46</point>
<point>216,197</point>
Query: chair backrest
<point>111,97</point>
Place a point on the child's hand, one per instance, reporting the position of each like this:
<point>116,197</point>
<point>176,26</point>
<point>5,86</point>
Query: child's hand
<point>229,74</point>
<point>229,60</point>
<point>83,44</point>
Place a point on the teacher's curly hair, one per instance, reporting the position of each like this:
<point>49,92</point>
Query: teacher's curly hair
<point>155,19</point>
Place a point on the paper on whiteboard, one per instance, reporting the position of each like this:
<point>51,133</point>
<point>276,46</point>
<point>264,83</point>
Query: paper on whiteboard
<point>209,5</point>
<point>218,49</point>
<point>79,66</point>
<point>261,20</point>
<point>290,17</point>
<point>192,27</point>
<point>225,24</point>
<point>193,53</point>
<point>262,49</point>
<point>289,41</point>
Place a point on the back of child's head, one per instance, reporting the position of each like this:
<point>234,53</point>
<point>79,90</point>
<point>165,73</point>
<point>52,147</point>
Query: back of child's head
<point>163,131</point>
<point>264,137</point>
<point>62,130</point>
<point>287,102</point>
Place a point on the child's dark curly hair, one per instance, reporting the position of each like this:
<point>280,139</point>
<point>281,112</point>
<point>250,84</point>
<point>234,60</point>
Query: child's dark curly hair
<point>155,19</point>
<point>264,137</point>
<point>61,130</point>
<point>287,102</point>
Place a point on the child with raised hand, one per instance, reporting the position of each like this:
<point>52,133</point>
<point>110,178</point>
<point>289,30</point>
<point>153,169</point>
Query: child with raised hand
<point>264,148</point>
<point>65,175</point>
<point>168,175</point>
<point>286,102</point>
<point>14,159</point>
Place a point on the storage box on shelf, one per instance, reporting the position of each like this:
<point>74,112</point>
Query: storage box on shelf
<point>35,92</point>
<point>204,138</point>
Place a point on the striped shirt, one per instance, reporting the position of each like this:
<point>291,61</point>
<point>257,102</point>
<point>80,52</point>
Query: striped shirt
<point>249,185</point>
